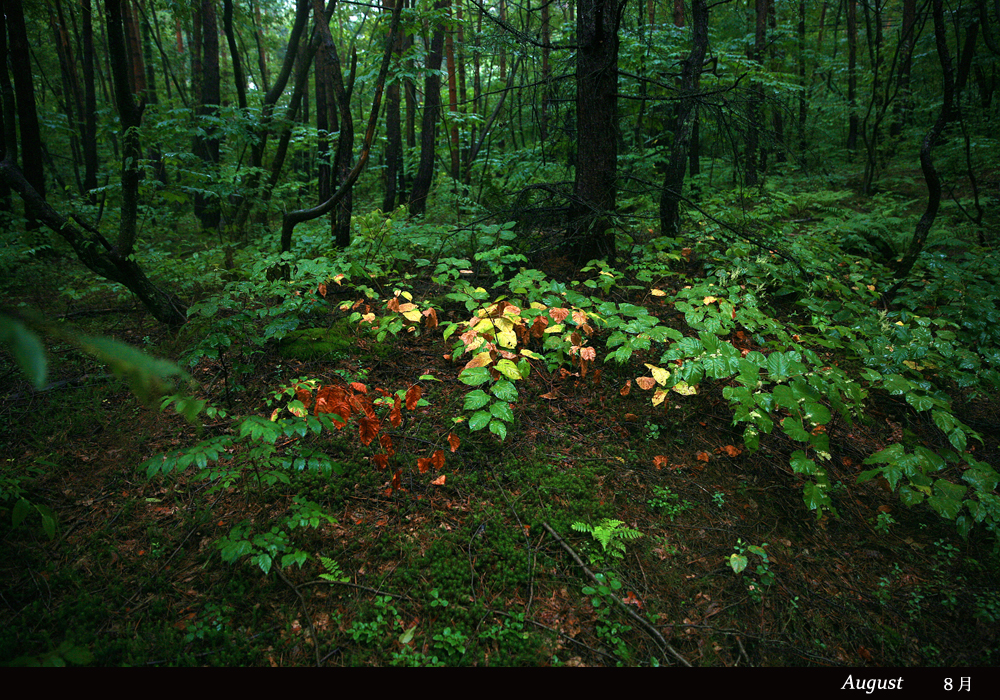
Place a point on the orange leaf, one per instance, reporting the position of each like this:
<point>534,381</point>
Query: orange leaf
<point>551,396</point>
<point>396,415</point>
<point>321,289</point>
<point>646,383</point>
<point>386,442</point>
<point>703,456</point>
<point>631,417</point>
<point>367,430</point>
<point>430,318</point>
<point>393,304</point>
<point>358,386</point>
<point>597,376</point>
<point>558,315</point>
<point>538,326</point>
<point>412,396</point>
<point>630,599</point>
<point>627,388</point>
<point>437,459</point>
<point>588,354</point>
<point>453,441</point>
<point>381,460</point>
<point>730,450</point>
<point>439,481</point>
<point>397,479</point>
<point>659,461</point>
<point>423,464</point>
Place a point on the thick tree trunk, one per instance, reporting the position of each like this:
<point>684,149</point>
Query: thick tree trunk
<point>27,115</point>
<point>595,185</point>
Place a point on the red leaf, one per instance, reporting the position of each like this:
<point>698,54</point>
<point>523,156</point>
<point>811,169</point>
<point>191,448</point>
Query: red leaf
<point>396,415</point>
<point>381,460</point>
<point>412,396</point>
<point>367,430</point>
<point>358,386</point>
<point>386,442</point>
<point>626,389</point>
<point>659,461</point>
<point>453,441</point>
<point>437,459</point>
<point>423,464</point>
<point>703,457</point>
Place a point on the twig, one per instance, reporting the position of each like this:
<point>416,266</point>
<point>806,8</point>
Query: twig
<point>305,611</point>
<point>628,611</point>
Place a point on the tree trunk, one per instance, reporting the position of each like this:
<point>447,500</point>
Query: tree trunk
<point>206,206</point>
<point>90,162</point>
<point>595,184</point>
<point>393,127</point>
<point>752,157</point>
<point>429,123</point>
<point>673,182</point>
<point>293,218</point>
<point>27,116</point>
<point>852,75</point>
<point>953,85</point>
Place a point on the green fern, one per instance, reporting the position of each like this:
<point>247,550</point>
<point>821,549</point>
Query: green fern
<point>333,574</point>
<point>611,534</point>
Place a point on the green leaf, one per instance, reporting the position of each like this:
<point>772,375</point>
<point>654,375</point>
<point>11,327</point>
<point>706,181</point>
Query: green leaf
<point>21,510</point>
<point>475,400</point>
<point>479,420</point>
<point>508,369</point>
<point>505,391</point>
<point>738,562</point>
<point>26,348</point>
<point>498,428</point>
<point>474,376</point>
<point>947,499</point>
<point>501,410</point>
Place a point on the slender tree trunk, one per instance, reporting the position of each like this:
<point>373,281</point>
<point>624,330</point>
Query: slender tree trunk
<point>950,111</point>
<point>89,136</point>
<point>753,157</point>
<point>673,182</point>
<point>393,125</point>
<point>852,76</point>
<point>206,207</point>
<point>429,123</point>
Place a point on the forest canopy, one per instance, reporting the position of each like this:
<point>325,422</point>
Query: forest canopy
<point>434,257</point>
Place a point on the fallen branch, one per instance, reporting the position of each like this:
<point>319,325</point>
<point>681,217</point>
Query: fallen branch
<point>646,624</point>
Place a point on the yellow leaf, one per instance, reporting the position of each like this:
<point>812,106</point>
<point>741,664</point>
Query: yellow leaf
<point>659,374</point>
<point>507,338</point>
<point>708,300</point>
<point>684,389</point>
<point>658,292</point>
<point>658,396</point>
<point>413,314</point>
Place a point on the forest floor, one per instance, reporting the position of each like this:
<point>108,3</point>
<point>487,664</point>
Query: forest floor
<point>476,562</point>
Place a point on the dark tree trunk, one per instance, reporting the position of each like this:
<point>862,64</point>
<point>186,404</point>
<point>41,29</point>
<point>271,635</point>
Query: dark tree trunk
<point>753,156</point>
<point>950,111</point>
<point>393,128</point>
<point>90,162</point>
<point>673,181</point>
<point>293,218</point>
<point>27,116</point>
<point>595,185</point>
<point>903,103</point>
<point>234,54</point>
<point>130,115</point>
<point>8,119</point>
<point>852,75</point>
<point>429,123</point>
<point>206,207</point>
